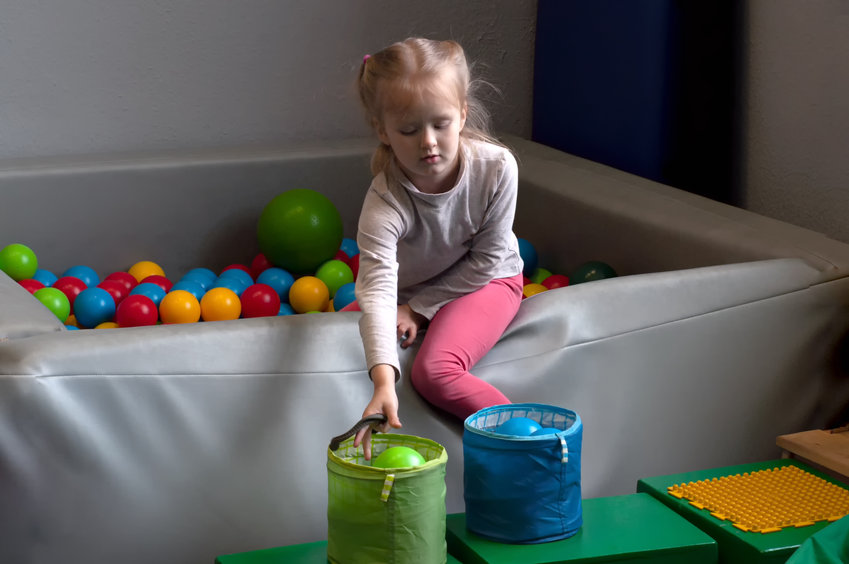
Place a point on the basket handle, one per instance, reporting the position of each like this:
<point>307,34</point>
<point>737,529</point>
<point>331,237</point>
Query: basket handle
<point>374,420</point>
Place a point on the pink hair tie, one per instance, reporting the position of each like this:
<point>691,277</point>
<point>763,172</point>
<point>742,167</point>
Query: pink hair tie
<point>366,58</point>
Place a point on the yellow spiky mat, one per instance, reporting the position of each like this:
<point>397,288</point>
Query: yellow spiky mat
<point>767,500</point>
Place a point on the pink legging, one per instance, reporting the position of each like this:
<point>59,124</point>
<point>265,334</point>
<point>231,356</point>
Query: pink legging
<point>458,336</point>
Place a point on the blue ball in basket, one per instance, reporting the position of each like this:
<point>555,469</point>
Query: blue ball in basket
<point>546,431</point>
<point>518,426</point>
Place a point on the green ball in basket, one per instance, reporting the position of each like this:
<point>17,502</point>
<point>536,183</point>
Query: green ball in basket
<point>398,457</point>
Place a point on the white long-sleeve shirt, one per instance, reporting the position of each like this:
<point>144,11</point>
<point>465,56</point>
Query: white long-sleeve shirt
<point>428,249</point>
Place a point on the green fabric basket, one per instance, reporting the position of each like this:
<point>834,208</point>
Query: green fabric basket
<point>394,516</point>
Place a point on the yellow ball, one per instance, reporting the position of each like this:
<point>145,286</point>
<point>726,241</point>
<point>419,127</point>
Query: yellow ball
<point>145,268</point>
<point>220,304</point>
<point>308,293</point>
<point>107,325</point>
<point>179,306</point>
<point>533,289</point>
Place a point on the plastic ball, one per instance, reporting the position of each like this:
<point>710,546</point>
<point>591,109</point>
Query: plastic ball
<point>278,279</point>
<point>556,281</point>
<point>191,287</point>
<point>72,328</point>
<point>591,271</point>
<point>545,431</point>
<point>201,279</point>
<point>136,311</point>
<point>529,256</point>
<point>234,283</point>
<point>55,301</point>
<point>179,306</point>
<point>398,457</point>
<point>533,289</point>
<point>307,294</point>
<point>128,280</point>
<point>260,300</point>
<point>18,261</point>
<point>286,309</point>
<point>344,295</point>
<point>299,229</point>
<point>220,304</point>
<point>239,274</point>
<point>85,273</point>
<point>31,285</point>
<point>259,265</point>
<point>159,280</point>
<point>539,274</point>
<point>107,325</point>
<point>45,277</point>
<point>334,274</point>
<point>93,306</point>
<point>152,291</point>
<point>518,426</point>
<point>116,289</point>
<point>145,268</point>
<point>71,287</point>
<point>349,247</point>
<point>354,263</point>
<point>72,320</point>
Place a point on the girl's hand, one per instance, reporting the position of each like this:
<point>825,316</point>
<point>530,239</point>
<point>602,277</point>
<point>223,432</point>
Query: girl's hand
<point>384,401</point>
<point>409,324</point>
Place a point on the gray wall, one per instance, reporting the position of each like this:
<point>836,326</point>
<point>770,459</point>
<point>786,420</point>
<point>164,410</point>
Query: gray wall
<point>93,76</point>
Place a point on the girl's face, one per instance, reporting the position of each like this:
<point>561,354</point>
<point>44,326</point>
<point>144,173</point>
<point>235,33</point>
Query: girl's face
<point>425,138</point>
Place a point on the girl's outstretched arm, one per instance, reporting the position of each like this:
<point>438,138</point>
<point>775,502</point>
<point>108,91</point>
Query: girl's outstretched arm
<point>384,400</point>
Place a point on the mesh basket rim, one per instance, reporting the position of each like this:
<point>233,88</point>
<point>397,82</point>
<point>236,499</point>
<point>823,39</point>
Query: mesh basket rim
<point>576,427</point>
<point>396,440</point>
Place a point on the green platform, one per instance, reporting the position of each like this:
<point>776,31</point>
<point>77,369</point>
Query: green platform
<point>628,528</point>
<point>735,546</point>
<point>309,553</point>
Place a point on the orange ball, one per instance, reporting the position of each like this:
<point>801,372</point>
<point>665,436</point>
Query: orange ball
<point>179,306</point>
<point>107,325</point>
<point>533,289</point>
<point>145,268</point>
<point>308,293</point>
<point>220,304</point>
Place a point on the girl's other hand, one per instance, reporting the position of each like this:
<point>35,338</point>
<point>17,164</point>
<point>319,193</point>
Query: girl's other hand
<point>409,324</point>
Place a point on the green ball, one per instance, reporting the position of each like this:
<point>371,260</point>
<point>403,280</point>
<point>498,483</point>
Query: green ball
<point>539,274</point>
<point>56,301</point>
<point>18,261</point>
<point>335,274</point>
<point>398,457</point>
<point>592,270</point>
<point>299,230</point>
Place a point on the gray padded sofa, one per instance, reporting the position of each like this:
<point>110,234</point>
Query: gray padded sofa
<point>175,444</point>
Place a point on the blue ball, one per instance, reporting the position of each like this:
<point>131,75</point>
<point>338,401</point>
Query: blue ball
<point>546,431</point>
<point>93,306</point>
<point>529,256</point>
<point>204,273</point>
<point>45,277</point>
<point>200,279</point>
<point>72,328</point>
<point>234,283</point>
<point>149,289</point>
<point>286,309</point>
<point>349,247</point>
<point>191,287</point>
<point>344,295</point>
<point>243,276</point>
<point>278,279</point>
<point>518,426</point>
<point>84,273</point>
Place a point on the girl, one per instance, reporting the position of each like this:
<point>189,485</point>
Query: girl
<point>436,239</point>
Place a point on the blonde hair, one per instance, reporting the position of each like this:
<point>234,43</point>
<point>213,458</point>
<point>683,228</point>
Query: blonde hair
<point>393,78</point>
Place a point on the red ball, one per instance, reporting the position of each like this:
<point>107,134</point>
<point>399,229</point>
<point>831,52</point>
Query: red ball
<point>259,265</point>
<point>160,281</point>
<point>239,266</point>
<point>343,256</point>
<point>71,286</point>
<point>556,281</point>
<point>116,289</point>
<point>127,279</point>
<point>354,263</point>
<point>260,300</point>
<point>135,311</point>
<point>31,285</point>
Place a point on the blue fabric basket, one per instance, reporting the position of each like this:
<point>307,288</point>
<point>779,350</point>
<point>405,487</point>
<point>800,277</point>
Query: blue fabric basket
<point>523,490</point>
